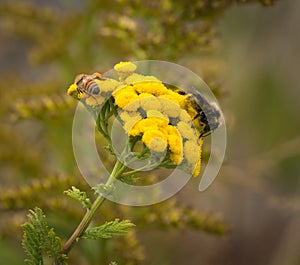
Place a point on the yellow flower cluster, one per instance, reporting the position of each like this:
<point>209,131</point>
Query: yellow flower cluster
<point>73,91</point>
<point>160,117</point>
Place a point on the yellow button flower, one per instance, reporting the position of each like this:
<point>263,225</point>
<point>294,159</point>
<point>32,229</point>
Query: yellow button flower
<point>174,139</point>
<point>72,91</point>
<point>153,115</point>
<point>136,78</point>
<point>191,152</point>
<point>198,165</point>
<point>129,123</point>
<point>150,123</point>
<point>187,131</point>
<point>155,140</point>
<point>126,116</point>
<point>169,108</point>
<point>125,67</point>
<point>175,145</point>
<point>174,97</point>
<point>197,169</point>
<point>149,103</point>
<point>154,88</point>
<point>185,117</point>
<point>156,113</point>
<point>125,96</point>
<point>176,158</point>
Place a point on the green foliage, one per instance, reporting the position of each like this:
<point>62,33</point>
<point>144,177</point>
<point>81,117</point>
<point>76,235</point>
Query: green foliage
<point>109,229</point>
<point>80,196</point>
<point>130,177</point>
<point>103,188</point>
<point>40,240</point>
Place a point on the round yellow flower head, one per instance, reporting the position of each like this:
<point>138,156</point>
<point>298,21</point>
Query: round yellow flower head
<point>191,152</point>
<point>127,116</point>
<point>157,113</point>
<point>151,123</point>
<point>130,122</point>
<point>175,145</point>
<point>125,67</point>
<point>169,108</point>
<point>155,140</point>
<point>125,96</point>
<point>198,165</point>
<point>174,139</point>
<point>185,117</point>
<point>73,91</point>
<point>197,169</point>
<point>176,158</point>
<point>187,131</point>
<point>149,103</point>
<point>136,78</point>
<point>155,88</point>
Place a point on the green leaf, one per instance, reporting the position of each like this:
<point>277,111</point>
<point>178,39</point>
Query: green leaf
<point>109,229</point>
<point>39,240</point>
<point>103,189</point>
<point>80,196</point>
<point>130,179</point>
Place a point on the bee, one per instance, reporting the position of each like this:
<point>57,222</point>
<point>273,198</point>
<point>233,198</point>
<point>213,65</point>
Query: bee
<point>208,114</point>
<point>86,84</point>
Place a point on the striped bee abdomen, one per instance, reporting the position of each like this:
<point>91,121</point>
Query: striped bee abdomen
<point>93,88</point>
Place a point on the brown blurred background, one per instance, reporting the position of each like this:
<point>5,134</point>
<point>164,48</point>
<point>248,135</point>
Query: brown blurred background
<point>249,55</point>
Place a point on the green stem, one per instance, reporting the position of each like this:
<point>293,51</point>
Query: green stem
<point>100,129</point>
<point>116,172</point>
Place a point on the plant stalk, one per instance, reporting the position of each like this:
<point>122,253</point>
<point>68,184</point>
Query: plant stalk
<point>86,220</point>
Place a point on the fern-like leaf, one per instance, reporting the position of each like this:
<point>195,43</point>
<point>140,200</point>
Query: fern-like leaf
<point>80,196</point>
<point>109,229</point>
<point>39,240</point>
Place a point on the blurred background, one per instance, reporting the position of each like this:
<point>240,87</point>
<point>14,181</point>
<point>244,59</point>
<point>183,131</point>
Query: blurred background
<point>246,51</point>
